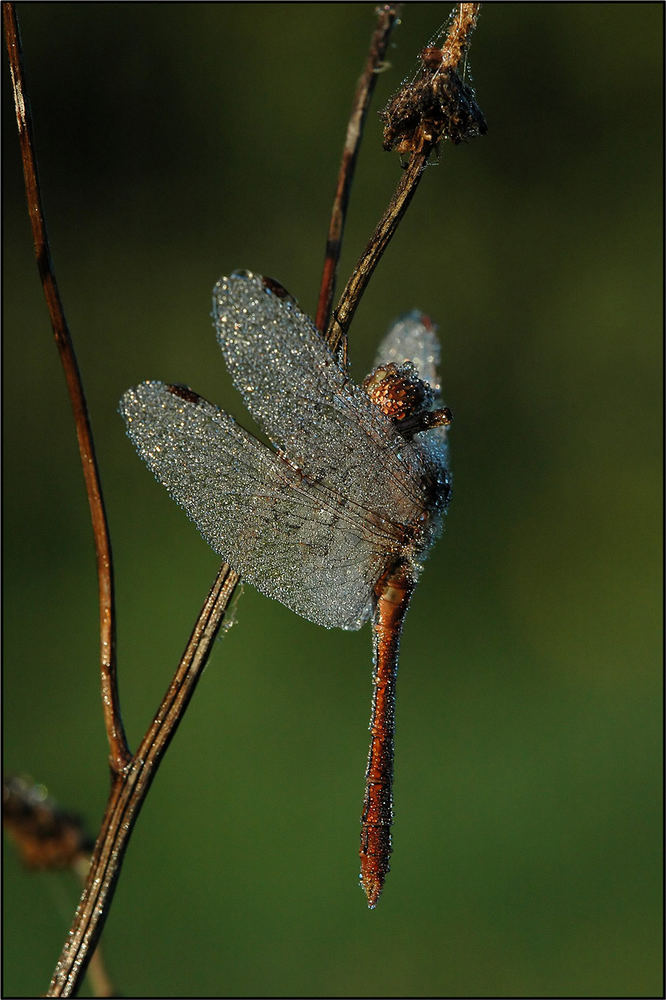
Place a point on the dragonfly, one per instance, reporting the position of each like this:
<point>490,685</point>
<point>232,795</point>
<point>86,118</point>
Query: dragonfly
<point>335,520</point>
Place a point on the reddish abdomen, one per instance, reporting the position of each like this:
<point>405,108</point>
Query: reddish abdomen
<point>393,592</point>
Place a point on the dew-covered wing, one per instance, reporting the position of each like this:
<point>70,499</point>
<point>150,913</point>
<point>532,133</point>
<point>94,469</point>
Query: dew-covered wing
<point>296,390</point>
<point>298,542</point>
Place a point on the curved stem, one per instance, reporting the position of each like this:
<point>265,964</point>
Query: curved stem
<point>387,16</point>
<point>119,753</point>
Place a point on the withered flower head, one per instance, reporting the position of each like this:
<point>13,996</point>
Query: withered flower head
<point>45,835</point>
<point>436,104</point>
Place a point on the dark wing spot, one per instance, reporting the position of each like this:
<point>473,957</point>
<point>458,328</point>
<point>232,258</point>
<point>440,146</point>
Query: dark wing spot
<point>184,392</point>
<point>275,287</point>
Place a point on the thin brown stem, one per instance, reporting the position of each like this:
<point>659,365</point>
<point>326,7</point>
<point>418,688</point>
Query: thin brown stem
<point>422,113</point>
<point>119,753</point>
<point>380,239</point>
<point>98,976</point>
<point>129,791</point>
<point>387,16</point>
<point>459,35</point>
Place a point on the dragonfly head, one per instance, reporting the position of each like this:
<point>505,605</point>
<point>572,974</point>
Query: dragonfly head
<point>403,396</point>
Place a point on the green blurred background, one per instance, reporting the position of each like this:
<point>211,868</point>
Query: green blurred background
<point>176,143</point>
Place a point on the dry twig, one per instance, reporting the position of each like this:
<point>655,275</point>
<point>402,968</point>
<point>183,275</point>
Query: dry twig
<point>387,16</point>
<point>118,750</point>
<point>436,105</point>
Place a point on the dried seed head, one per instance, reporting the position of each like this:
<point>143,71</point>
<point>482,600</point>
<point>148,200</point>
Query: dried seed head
<point>45,835</point>
<point>436,104</point>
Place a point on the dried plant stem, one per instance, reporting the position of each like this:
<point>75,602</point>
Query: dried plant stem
<point>459,34</point>
<point>453,51</point>
<point>128,793</point>
<point>118,750</point>
<point>387,16</point>
<point>98,976</point>
<point>380,239</point>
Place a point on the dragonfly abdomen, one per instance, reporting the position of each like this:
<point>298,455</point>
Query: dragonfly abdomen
<point>393,593</point>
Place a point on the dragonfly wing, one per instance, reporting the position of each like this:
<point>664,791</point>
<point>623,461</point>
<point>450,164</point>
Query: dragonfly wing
<point>294,387</point>
<point>257,511</point>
